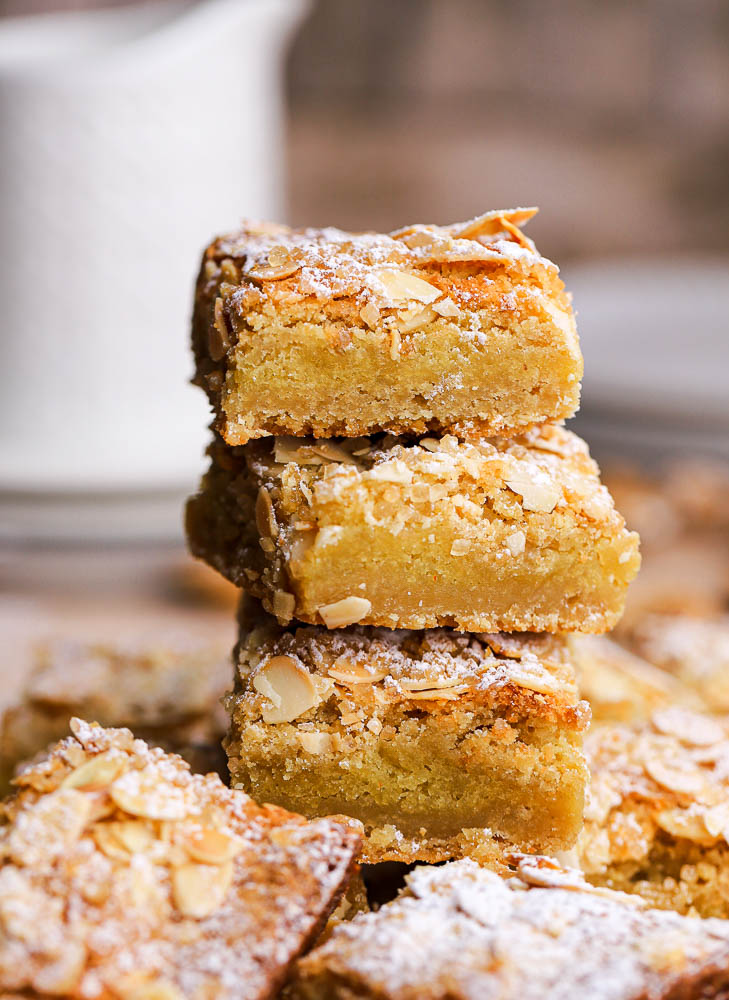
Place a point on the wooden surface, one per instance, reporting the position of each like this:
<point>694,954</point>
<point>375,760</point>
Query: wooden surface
<point>103,594</point>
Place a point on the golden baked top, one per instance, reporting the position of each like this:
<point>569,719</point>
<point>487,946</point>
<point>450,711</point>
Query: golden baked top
<point>272,261</point>
<point>122,875</point>
<point>462,932</point>
<point>287,673</point>
<point>667,775</point>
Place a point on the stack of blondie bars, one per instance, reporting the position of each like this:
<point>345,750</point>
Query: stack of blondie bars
<point>414,530</point>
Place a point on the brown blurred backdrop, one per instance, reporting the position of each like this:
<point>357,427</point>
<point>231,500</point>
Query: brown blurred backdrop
<point>613,116</point>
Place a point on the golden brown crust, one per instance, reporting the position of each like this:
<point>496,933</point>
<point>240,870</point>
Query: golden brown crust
<point>385,301</point>
<point>124,876</point>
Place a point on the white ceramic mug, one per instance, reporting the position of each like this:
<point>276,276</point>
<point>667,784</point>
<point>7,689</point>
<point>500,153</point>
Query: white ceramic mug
<point>129,137</point>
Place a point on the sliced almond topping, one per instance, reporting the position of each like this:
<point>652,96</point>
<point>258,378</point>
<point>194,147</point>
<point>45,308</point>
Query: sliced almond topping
<point>333,452</point>
<point>533,680</point>
<point>145,793</point>
<point>135,836</point>
<point>288,686</point>
<point>370,314</point>
<point>716,820</point>
<point>682,778</point>
<point>516,543</point>
<point>198,890</point>
<point>283,605</point>
<point>157,990</point>
<point>491,223</point>
<point>210,846</point>
<point>414,318</point>
<point>682,823</point>
<point>219,336</point>
<point>392,471</point>
<point>96,773</point>
<point>439,694</point>
<point>265,516</point>
<point>355,673</point>
<point>536,496</point>
<point>348,611</point>
<point>315,743</point>
<point>461,547</point>
<point>281,264</point>
<point>688,727</point>
<point>399,286</point>
<point>290,449</point>
<point>429,683</point>
<point>446,307</point>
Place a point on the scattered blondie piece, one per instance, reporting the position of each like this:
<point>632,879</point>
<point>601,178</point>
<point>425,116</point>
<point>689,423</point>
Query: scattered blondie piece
<point>125,876</point>
<point>321,332</point>
<point>620,686</point>
<point>657,820</point>
<point>695,651</point>
<point>483,536</point>
<point>460,932</point>
<point>166,689</point>
<point>438,742</point>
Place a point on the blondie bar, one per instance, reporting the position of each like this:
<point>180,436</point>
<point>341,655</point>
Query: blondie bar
<point>489,535</point>
<point>459,932</point>
<point>440,744</point>
<point>167,689</point>
<point>125,877</point>
<point>657,820</point>
<point>321,332</point>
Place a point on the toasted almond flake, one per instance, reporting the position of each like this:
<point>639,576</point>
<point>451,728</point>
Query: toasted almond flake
<point>400,286</point>
<point>157,990</point>
<point>97,772</point>
<point>516,543</point>
<point>414,318</point>
<point>438,694</point>
<point>290,449</point>
<point>684,778</point>
<point>430,444</point>
<point>536,496</point>
<point>348,611</point>
<point>446,307</point>
<point>460,547</point>
<point>218,336</point>
<point>688,727</point>
<point>392,471</point>
<point>375,726</point>
<point>265,516</point>
<point>351,718</point>
<point>429,683</point>
<point>370,314</point>
<point>283,605</point>
<point>333,452</point>
<point>491,223</point>
<point>210,846</point>
<point>288,686</point>
<point>682,823</point>
<point>281,264</point>
<point>716,820</point>
<point>315,743</point>
<point>355,673</point>
<point>198,890</point>
<point>108,843</point>
<point>145,793</point>
<point>533,680</point>
<point>135,836</point>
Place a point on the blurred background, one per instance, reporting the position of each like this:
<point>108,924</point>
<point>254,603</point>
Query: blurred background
<point>130,134</point>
